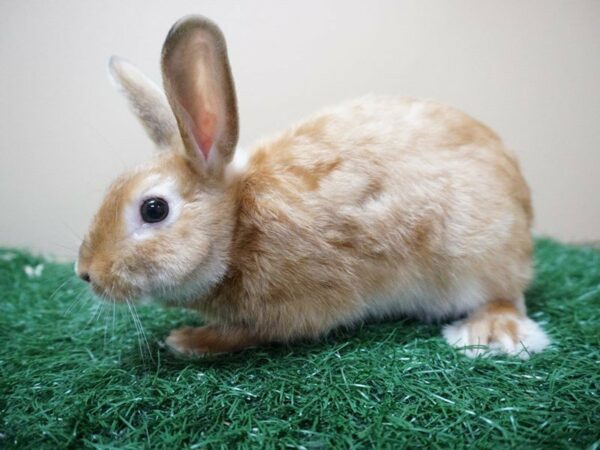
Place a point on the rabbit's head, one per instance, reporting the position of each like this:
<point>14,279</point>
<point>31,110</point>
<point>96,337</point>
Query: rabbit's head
<point>164,229</point>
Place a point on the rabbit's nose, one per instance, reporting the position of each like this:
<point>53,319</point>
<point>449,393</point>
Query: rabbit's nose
<point>82,272</point>
<point>85,277</point>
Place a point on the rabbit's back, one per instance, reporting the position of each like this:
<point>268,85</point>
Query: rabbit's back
<point>394,162</point>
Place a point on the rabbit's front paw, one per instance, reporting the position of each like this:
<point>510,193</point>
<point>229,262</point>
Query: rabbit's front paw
<point>200,341</point>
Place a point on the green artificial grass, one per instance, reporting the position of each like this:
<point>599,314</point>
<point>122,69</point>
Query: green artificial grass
<point>73,375</point>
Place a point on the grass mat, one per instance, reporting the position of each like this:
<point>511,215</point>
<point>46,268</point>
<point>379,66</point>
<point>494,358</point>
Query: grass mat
<point>76,374</point>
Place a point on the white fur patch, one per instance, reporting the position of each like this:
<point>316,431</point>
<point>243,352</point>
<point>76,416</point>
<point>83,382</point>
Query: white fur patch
<point>238,164</point>
<point>154,186</point>
<point>531,339</point>
<point>428,303</point>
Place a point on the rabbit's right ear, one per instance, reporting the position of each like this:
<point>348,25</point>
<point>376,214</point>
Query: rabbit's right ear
<point>200,89</point>
<point>147,101</point>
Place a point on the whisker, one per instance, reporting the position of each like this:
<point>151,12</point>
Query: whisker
<point>143,333</point>
<point>106,325</point>
<point>66,279</point>
<point>103,137</point>
<point>137,331</point>
<point>77,300</point>
<point>95,307</point>
<point>96,313</point>
<point>73,232</point>
<point>101,309</point>
<point>114,317</point>
<point>71,248</point>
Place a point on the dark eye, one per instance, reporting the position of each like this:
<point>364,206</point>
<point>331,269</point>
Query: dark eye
<point>154,210</point>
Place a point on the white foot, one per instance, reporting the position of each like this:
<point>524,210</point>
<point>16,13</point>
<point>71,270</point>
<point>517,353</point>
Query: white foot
<point>495,335</point>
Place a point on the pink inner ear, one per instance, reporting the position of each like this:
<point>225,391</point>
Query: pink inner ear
<point>205,131</point>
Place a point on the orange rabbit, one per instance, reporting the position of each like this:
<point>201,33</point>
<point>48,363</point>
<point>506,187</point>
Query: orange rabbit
<point>377,208</point>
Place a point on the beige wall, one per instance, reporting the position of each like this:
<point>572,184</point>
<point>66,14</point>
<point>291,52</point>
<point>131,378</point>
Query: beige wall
<point>530,69</point>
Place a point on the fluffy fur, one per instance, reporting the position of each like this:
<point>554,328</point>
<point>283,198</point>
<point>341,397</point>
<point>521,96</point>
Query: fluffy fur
<point>376,208</point>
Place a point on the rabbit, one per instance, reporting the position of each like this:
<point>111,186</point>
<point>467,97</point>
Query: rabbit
<point>378,208</point>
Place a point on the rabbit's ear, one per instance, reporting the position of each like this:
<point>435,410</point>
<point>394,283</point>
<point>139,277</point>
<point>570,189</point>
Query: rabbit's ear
<point>147,101</point>
<point>200,89</point>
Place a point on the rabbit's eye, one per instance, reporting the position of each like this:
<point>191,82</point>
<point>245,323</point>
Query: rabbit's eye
<point>154,210</point>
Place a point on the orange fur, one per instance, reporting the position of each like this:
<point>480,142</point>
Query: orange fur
<point>209,339</point>
<point>494,320</point>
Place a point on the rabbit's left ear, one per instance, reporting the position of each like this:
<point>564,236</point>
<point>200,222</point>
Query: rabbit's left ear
<point>200,89</point>
<point>147,101</point>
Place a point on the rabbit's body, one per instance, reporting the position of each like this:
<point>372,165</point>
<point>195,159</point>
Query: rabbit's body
<point>377,208</point>
<point>335,225</point>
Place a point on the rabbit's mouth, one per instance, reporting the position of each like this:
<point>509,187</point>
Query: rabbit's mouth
<point>116,292</point>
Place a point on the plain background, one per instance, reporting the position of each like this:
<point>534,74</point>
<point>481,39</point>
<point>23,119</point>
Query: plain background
<point>529,69</point>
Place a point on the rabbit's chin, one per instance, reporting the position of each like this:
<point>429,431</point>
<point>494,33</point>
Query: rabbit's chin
<point>185,293</point>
